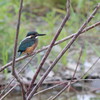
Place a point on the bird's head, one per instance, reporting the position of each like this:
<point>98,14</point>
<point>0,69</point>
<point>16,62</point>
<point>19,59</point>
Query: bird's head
<point>34,34</point>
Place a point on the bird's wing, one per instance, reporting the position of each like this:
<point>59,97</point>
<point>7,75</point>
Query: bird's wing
<point>25,44</point>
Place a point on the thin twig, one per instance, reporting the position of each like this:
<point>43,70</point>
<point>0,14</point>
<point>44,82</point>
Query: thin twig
<point>14,73</point>
<point>95,90</point>
<point>6,87</point>
<point>71,78</point>
<point>45,48</point>
<point>86,73</point>
<point>62,90</point>
<point>51,44</point>
<point>50,88</point>
<point>2,98</point>
<point>77,63</point>
<point>62,53</point>
<point>80,79</point>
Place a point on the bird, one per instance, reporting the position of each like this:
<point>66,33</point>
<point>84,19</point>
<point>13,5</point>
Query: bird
<point>29,43</point>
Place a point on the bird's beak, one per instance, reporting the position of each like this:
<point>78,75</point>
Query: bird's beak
<point>41,34</point>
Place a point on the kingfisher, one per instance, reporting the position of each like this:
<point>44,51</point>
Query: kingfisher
<point>29,43</point>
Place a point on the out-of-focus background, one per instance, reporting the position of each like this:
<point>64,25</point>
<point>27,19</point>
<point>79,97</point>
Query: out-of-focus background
<point>45,16</point>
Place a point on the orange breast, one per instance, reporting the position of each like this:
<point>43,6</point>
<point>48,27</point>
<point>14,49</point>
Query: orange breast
<point>31,49</point>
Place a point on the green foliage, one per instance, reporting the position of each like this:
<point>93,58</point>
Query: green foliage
<point>48,19</point>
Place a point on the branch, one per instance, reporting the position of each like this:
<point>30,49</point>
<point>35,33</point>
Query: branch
<point>2,98</point>
<point>75,81</point>
<point>86,73</point>
<point>51,45</point>
<point>14,73</point>
<point>14,79</point>
<point>45,48</point>
<point>62,53</point>
<point>71,78</point>
<point>62,83</point>
<point>18,73</point>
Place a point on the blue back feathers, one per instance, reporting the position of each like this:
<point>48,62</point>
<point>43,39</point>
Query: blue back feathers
<point>28,42</point>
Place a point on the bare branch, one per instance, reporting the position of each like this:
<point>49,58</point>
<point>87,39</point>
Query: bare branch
<point>2,98</point>
<point>14,79</point>
<point>77,64</point>
<point>14,73</point>
<point>51,45</point>
<point>62,53</point>
<point>71,78</point>
<point>70,83</point>
<point>86,73</point>
<point>50,88</point>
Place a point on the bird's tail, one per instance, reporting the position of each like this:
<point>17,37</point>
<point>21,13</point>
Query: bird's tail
<point>19,54</point>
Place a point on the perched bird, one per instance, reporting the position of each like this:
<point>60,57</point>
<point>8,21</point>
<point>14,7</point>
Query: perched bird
<point>28,44</point>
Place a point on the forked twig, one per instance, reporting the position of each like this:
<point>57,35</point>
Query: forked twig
<point>51,45</point>
<point>68,85</point>
<point>86,73</point>
<point>62,53</point>
<point>63,82</point>
<point>14,79</point>
<point>80,79</point>
<point>50,88</point>
<point>14,73</point>
<point>2,98</point>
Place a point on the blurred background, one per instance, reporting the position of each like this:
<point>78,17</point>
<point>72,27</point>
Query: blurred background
<point>45,16</point>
